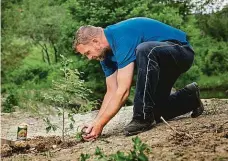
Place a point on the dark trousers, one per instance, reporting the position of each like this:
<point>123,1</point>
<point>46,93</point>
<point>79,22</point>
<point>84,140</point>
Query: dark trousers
<point>159,64</point>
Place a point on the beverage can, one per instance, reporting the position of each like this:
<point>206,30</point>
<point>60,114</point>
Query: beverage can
<point>22,132</point>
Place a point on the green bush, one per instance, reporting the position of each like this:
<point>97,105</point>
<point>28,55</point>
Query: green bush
<point>29,73</point>
<point>216,62</point>
<point>13,52</point>
<point>213,82</point>
<point>190,76</point>
<point>10,102</point>
<point>27,82</point>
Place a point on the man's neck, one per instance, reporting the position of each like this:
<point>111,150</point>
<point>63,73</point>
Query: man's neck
<point>104,40</point>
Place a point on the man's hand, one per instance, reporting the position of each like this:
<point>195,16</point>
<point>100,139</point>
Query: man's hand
<point>92,131</point>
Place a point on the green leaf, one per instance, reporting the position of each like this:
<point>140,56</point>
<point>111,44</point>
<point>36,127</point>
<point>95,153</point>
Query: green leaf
<point>84,157</point>
<point>78,136</point>
<point>142,157</point>
<point>98,151</point>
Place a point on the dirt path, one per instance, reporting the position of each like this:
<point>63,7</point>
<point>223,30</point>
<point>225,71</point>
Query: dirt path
<point>210,133</point>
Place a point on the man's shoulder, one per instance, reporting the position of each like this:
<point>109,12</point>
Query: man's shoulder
<point>129,22</point>
<point>133,20</point>
<point>132,26</point>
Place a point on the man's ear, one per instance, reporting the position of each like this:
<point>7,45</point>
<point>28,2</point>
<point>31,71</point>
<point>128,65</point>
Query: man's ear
<point>95,40</point>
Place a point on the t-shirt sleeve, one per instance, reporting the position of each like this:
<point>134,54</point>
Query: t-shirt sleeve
<point>108,66</point>
<point>125,48</point>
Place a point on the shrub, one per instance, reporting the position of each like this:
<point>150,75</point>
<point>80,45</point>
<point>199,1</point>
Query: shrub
<point>190,76</point>
<point>29,73</point>
<point>10,102</point>
<point>13,52</point>
<point>216,62</point>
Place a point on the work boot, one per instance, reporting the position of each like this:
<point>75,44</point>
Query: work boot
<point>194,88</point>
<point>138,126</point>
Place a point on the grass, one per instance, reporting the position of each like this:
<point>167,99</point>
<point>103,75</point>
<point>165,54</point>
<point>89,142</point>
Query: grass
<point>214,82</point>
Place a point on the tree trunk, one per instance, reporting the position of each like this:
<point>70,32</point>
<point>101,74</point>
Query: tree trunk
<point>43,56</point>
<point>63,130</point>
<point>47,54</point>
<point>55,52</point>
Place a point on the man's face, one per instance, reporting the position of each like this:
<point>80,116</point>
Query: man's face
<point>92,50</point>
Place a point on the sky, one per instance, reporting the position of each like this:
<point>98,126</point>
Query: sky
<point>219,5</point>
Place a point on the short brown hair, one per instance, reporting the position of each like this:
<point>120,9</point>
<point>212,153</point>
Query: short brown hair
<point>85,34</point>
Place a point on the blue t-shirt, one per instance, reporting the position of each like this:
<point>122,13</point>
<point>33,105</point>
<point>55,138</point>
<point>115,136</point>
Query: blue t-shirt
<point>125,36</point>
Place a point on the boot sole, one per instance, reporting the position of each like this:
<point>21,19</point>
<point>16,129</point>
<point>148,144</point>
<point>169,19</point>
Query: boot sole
<point>127,133</point>
<point>199,112</point>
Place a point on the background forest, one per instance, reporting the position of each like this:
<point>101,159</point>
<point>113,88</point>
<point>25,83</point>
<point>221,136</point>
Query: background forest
<point>37,35</point>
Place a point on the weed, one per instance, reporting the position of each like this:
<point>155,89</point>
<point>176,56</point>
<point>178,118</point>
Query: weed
<point>50,126</point>
<point>84,157</point>
<point>8,105</point>
<point>78,135</point>
<point>137,154</point>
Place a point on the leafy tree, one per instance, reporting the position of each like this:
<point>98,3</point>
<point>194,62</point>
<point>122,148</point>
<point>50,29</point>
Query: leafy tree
<point>40,21</point>
<point>215,24</point>
<point>100,13</point>
<point>216,62</point>
<point>12,54</point>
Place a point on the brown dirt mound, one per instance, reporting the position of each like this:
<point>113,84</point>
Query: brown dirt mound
<point>36,145</point>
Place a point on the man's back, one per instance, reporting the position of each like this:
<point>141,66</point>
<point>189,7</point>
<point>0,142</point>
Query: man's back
<point>125,36</point>
<point>148,29</point>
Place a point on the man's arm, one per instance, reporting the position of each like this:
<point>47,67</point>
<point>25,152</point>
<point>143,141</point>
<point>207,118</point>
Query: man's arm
<point>124,79</point>
<point>111,83</point>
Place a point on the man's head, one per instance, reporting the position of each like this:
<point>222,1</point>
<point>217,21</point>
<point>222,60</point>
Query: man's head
<point>91,42</point>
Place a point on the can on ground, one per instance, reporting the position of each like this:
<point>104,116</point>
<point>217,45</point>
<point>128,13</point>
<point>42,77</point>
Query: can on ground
<point>22,132</point>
